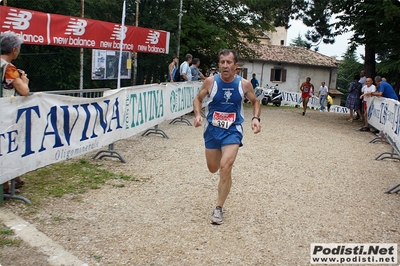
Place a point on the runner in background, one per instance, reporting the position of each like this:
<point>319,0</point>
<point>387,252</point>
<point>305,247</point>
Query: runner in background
<point>306,93</point>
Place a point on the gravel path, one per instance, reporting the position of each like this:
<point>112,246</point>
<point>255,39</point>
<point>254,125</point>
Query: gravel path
<point>303,179</point>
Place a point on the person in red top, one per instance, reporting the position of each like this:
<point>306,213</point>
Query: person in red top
<point>307,89</point>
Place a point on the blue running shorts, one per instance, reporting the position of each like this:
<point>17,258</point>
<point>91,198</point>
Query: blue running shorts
<point>216,137</point>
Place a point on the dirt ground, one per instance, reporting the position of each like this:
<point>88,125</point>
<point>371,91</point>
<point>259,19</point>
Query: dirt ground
<point>302,180</point>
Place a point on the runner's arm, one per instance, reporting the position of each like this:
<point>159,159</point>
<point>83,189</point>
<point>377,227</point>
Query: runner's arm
<point>197,102</point>
<point>251,96</point>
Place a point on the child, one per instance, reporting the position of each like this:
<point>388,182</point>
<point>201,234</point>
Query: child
<point>330,102</point>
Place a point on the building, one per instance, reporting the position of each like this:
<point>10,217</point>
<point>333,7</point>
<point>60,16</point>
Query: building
<point>289,66</point>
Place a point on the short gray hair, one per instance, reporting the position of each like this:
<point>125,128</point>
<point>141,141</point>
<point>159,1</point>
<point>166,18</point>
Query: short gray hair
<point>188,56</point>
<point>8,41</point>
<point>378,79</point>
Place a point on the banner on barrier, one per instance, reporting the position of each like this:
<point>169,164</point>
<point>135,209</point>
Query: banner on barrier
<point>294,99</point>
<point>42,129</point>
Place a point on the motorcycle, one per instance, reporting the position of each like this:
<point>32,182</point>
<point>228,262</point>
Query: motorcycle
<point>272,95</point>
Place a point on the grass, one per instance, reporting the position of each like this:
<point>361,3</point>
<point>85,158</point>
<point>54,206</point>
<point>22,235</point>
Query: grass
<point>6,237</point>
<point>68,177</point>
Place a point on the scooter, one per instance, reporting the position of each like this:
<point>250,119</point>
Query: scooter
<point>259,92</point>
<point>272,95</point>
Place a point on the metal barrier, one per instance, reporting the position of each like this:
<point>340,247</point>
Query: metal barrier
<point>86,93</point>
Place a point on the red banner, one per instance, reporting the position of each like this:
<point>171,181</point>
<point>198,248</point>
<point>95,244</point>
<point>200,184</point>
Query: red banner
<point>51,29</point>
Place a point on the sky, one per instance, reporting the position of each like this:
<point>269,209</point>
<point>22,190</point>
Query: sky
<point>336,49</point>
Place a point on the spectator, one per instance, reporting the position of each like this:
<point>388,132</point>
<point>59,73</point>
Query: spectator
<point>172,68</point>
<point>363,78</point>
<point>353,99</point>
<point>194,68</point>
<point>213,72</point>
<point>237,70</point>
<point>322,93</point>
<point>184,69</point>
<point>306,93</point>
<point>254,81</point>
<point>14,81</point>
<point>384,89</point>
<point>329,102</point>
<point>368,88</point>
<point>363,82</point>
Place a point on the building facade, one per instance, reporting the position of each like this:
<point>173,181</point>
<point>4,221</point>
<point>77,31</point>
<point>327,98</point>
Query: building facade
<point>289,66</point>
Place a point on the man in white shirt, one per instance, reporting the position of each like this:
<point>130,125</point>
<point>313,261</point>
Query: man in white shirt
<point>322,93</point>
<point>186,72</point>
<point>368,88</point>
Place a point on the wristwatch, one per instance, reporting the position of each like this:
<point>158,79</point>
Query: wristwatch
<point>256,117</point>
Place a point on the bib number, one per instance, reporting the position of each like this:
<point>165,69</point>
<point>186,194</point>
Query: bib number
<point>223,120</point>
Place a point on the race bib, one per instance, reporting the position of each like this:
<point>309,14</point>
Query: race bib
<point>223,120</point>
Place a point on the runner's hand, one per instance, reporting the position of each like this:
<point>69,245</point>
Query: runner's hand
<point>255,126</point>
<point>197,121</point>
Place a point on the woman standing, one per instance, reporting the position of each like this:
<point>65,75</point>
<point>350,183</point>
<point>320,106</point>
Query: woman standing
<point>353,99</point>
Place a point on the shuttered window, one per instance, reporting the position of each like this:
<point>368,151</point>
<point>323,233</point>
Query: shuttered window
<point>278,74</point>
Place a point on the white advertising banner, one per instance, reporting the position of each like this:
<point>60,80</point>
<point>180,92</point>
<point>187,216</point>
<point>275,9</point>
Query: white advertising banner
<point>294,99</point>
<point>384,115</point>
<point>42,129</point>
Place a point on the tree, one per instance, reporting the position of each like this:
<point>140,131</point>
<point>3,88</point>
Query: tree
<point>207,27</point>
<point>299,42</point>
<point>371,21</point>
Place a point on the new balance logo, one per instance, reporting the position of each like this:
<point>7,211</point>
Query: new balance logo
<point>153,37</point>
<point>17,20</point>
<point>119,33</point>
<point>76,27</point>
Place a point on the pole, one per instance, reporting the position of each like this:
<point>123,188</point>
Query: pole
<point>179,30</point>
<point>135,59</point>
<point>122,37</point>
<point>81,50</point>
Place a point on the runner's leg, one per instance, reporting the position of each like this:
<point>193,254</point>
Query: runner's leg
<point>213,158</point>
<point>229,153</point>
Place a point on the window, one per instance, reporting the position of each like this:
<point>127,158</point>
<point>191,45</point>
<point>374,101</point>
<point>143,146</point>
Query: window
<point>278,74</point>
<point>244,73</point>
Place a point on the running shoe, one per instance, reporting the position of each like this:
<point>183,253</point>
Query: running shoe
<point>216,217</point>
